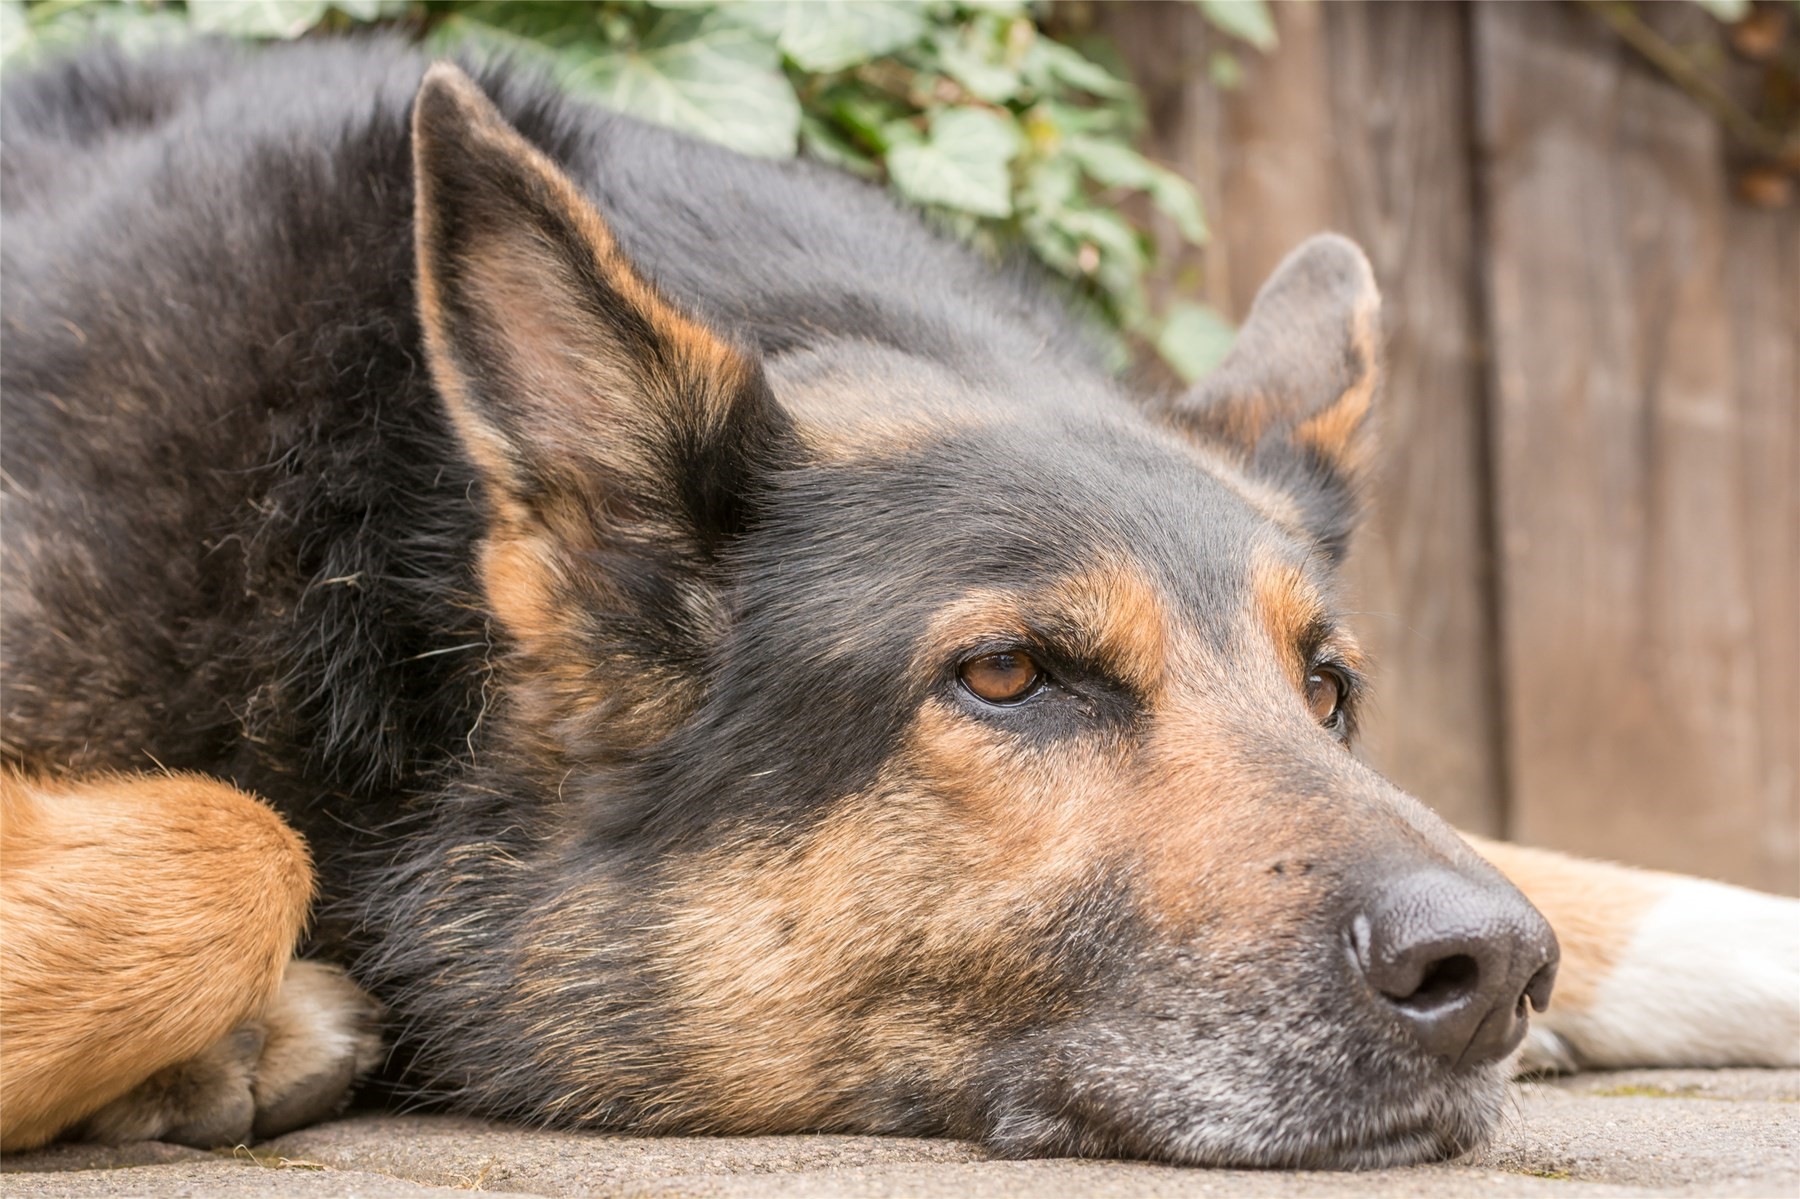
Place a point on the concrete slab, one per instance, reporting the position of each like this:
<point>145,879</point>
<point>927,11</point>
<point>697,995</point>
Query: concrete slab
<point>1649,1133</point>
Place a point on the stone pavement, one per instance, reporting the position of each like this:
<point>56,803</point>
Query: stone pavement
<point>1676,1132</point>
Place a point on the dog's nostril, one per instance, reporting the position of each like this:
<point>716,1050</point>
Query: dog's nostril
<point>1458,958</point>
<point>1445,982</point>
<point>1539,988</point>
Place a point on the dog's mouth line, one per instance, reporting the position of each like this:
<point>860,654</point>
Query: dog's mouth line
<point>1410,1142</point>
<point>1436,1128</point>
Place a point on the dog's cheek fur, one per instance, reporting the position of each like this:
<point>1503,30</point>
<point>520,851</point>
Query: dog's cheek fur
<point>857,977</point>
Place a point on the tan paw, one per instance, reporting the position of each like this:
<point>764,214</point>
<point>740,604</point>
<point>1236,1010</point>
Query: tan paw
<point>294,1066</point>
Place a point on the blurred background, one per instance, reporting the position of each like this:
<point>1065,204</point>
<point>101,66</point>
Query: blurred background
<point>1581,574</point>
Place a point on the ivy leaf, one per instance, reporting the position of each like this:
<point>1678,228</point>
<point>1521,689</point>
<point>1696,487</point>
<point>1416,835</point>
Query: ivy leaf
<point>1049,63</point>
<point>1116,165</point>
<point>1248,20</point>
<point>1225,71</point>
<point>1111,254</point>
<point>1101,120</point>
<point>484,42</point>
<point>718,81</point>
<point>1194,339</point>
<point>962,164</point>
<point>49,30</point>
<point>872,119</point>
<point>819,141</point>
<point>968,57</point>
<point>1051,185</point>
<point>256,18</point>
<point>829,35</point>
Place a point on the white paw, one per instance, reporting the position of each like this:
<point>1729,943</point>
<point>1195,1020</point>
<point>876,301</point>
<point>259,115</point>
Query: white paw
<point>1710,977</point>
<point>294,1066</point>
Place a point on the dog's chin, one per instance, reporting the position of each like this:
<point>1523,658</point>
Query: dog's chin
<point>1260,1121</point>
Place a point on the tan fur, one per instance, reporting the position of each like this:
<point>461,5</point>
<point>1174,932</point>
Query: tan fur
<point>144,917</point>
<point>894,413</point>
<point>206,1101</point>
<point>1305,366</point>
<point>1291,606</point>
<point>522,577</point>
<point>1593,906</point>
<point>1288,603</point>
<point>790,965</point>
<point>848,437</point>
<point>1111,611</point>
<point>1339,432</point>
<point>1118,611</point>
<point>319,1036</point>
<point>790,961</point>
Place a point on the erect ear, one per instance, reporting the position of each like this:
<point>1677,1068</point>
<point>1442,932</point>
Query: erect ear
<point>1293,396</point>
<point>621,442</point>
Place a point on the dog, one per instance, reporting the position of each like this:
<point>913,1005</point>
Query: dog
<point>712,656</point>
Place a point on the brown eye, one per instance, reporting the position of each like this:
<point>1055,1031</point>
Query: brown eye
<point>1324,694</point>
<point>1002,678</point>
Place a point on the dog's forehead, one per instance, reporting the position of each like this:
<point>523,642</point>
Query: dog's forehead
<point>922,503</point>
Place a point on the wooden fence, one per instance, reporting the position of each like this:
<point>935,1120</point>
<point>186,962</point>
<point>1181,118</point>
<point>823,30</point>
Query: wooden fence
<point>1581,577</point>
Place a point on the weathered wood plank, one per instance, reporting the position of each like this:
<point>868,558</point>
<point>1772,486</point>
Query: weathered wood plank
<point>1644,461</point>
<point>1359,121</point>
<point>1762,280</point>
<point>1422,568</point>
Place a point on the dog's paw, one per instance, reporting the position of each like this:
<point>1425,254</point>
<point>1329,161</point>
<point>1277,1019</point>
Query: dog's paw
<point>204,1101</point>
<point>320,1036</point>
<point>294,1066</point>
<point>1710,976</point>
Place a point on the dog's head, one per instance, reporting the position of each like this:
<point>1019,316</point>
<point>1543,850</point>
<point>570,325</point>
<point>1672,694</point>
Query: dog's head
<point>949,749</point>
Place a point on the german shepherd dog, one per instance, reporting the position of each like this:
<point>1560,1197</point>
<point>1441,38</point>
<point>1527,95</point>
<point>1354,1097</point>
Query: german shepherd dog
<point>717,657</point>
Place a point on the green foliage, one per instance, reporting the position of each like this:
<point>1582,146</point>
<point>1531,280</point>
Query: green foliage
<point>967,108</point>
<point>1194,339</point>
<point>1249,20</point>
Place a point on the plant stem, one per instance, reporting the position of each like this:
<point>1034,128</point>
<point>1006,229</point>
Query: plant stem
<point>1622,18</point>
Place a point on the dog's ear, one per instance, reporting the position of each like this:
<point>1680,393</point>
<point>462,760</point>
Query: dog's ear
<point>620,441</point>
<point>1292,399</point>
<point>570,379</point>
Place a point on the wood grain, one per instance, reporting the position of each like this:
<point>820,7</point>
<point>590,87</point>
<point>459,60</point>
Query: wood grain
<point>1645,462</point>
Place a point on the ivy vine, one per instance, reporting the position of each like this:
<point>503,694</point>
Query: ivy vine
<point>967,108</point>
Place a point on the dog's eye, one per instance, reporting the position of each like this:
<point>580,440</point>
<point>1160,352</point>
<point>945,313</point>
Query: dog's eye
<point>1325,689</point>
<point>1001,678</point>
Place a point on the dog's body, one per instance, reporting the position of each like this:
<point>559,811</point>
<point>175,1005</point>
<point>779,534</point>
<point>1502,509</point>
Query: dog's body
<point>738,661</point>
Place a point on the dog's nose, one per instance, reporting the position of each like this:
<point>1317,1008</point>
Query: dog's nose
<point>1456,958</point>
